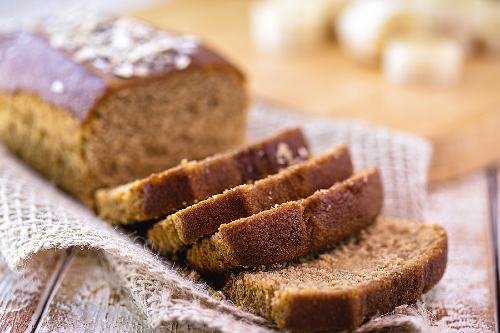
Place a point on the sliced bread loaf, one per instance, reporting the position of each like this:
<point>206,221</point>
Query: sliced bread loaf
<point>293,229</point>
<point>166,192</point>
<point>93,101</point>
<point>388,264</point>
<point>204,218</point>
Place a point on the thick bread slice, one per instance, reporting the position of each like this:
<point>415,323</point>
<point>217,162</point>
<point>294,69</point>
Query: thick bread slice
<point>166,192</point>
<point>204,218</point>
<point>390,263</point>
<point>293,229</point>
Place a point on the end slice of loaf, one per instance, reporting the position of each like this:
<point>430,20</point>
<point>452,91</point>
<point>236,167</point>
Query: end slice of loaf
<point>166,192</point>
<point>293,229</point>
<point>390,263</point>
<point>204,218</point>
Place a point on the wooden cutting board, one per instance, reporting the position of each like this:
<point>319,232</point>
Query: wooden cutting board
<point>462,122</point>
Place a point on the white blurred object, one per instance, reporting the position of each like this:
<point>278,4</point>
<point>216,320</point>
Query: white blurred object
<point>457,19</point>
<point>364,26</point>
<point>422,60</point>
<point>471,22</point>
<point>277,25</point>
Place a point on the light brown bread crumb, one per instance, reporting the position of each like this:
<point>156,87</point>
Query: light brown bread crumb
<point>391,263</point>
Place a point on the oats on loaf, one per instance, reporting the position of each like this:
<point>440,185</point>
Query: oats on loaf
<point>93,101</point>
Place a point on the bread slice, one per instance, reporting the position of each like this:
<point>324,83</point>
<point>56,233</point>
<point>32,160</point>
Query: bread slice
<point>204,218</point>
<point>293,229</point>
<point>390,263</point>
<point>166,192</point>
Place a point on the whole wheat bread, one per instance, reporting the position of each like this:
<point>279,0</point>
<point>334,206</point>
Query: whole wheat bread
<point>388,264</point>
<point>89,116</point>
<point>204,218</point>
<point>166,192</point>
<point>293,229</point>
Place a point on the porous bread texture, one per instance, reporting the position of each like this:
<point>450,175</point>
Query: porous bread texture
<point>294,229</point>
<point>47,138</point>
<point>390,263</point>
<point>178,187</point>
<point>204,218</point>
<point>132,132</point>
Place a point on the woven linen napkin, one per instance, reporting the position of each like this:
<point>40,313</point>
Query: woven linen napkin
<point>35,217</point>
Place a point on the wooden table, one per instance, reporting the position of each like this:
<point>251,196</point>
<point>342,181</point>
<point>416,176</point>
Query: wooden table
<point>76,292</point>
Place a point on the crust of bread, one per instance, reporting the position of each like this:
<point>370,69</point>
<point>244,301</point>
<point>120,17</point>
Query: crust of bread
<point>204,218</point>
<point>318,309</point>
<point>293,229</point>
<point>176,188</point>
<point>305,310</point>
<point>86,128</point>
<point>89,86</point>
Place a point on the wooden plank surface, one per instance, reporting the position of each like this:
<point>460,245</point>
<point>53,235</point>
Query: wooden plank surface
<point>22,296</point>
<point>465,299</point>
<point>462,121</point>
<point>88,298</point>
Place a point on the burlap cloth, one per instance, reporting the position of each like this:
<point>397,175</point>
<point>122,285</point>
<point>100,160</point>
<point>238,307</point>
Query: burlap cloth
<point>35,217</point>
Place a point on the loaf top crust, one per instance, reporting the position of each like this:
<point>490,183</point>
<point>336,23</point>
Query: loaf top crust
<point>73,62</point>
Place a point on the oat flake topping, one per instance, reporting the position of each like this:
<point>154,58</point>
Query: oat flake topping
<point>120,46</point>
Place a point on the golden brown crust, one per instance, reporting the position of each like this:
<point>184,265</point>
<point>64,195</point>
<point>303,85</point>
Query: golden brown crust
<point>296,182</point>
<point>29,63</point>
<point>332,215</point>
<point>220,172</point>
<point>293,229</point>
<point>273,236</point>
<point>84,87</point>
<point>166,192</point>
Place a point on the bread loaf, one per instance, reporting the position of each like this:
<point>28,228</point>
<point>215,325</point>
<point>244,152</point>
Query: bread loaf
<point>181,186</point>
<point>390,263</point>
<point>294,229</point>
<point>204,218</point>
<point>98,101</point>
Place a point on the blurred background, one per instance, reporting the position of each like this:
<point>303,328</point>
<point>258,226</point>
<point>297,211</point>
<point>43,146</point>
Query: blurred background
<point>429,67</point>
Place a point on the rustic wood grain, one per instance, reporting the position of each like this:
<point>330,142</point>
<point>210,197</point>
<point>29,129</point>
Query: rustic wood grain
<point>465,298</point>
<point>88,298</point>
<point>461,121</point>
<point>22,295</point>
